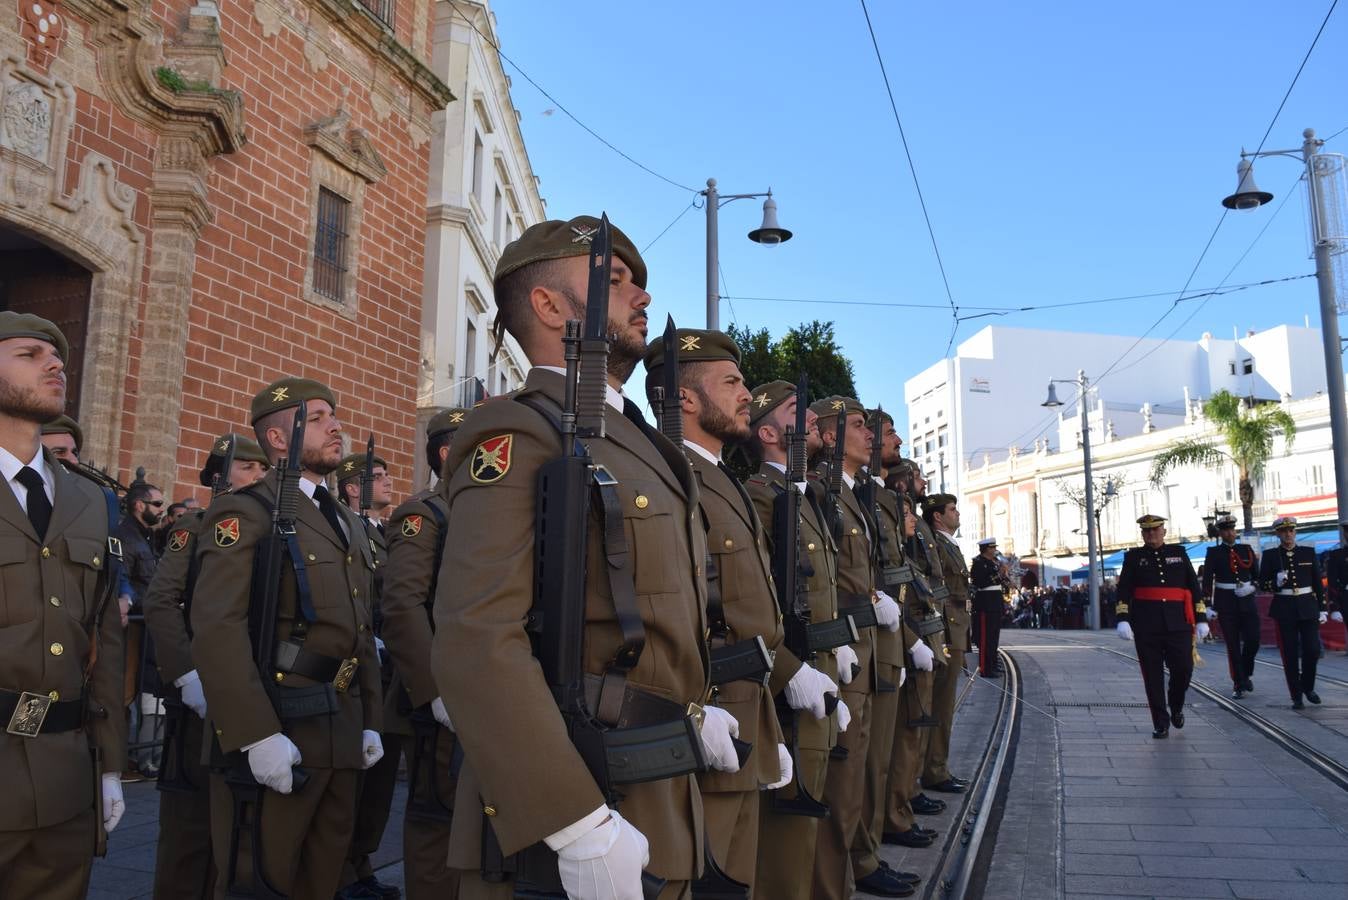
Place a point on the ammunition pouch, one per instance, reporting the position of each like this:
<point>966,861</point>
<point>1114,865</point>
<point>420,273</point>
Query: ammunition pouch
<point>654,738</point>
<point>749,660</point>
<point>292,703</point>
<point>896,576</point>
<point>861,610</point>
<point>829,635</point>
<point>939,592</point>
<point>932,623</point>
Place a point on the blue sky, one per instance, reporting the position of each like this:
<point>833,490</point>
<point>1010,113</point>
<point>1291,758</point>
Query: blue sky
<point>1065,151</point>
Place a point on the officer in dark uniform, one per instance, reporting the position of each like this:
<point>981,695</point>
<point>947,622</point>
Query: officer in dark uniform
<point>1292,573</point>
<point>1336,577</point>
<point>989,581</point>
<point>1158,591</point>
<point>1228,579</point>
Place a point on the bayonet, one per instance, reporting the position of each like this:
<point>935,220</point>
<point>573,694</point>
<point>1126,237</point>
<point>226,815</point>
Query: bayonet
<point>835,480</point>
<point>592,386</point>
<point>665,396</point>
<point>367,479</point>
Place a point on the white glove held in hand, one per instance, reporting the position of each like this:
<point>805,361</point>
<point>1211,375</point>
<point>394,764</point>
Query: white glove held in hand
<point>1324,617</point>
<point>1336,616</point>
<point>371,747</point>
<point>1125,631</point>
<point>113,804</point>
<point>847,658</point>
<point>1201,630</point>
<point>844,715</point>
<point>923,658</point>
<point>605,863</point>
<point>1212,613</point>
<point>784,766</point>
<point>1244,589</point>
<point>718,727</point>
<point>441,714</point>
<point>806,691</point>
<point>886,611</point>
<point>193,697</point>
<point>1280,579</point>
<point>270,760</point>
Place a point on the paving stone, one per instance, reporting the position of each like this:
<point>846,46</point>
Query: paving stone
<point>1156,887</point>
<point>1223,868</point>
<point>1096,864</point>
<point>1138,848</point>
<point>1128,815</point>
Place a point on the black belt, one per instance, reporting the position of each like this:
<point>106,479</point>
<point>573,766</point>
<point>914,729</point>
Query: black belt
<point>28,714</point>
<point>291,658</point>
<point>862,611</point>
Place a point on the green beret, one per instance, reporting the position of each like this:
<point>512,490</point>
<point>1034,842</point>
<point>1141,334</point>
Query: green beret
<point>245,448</point>
<point>286,393</point>
<point>936,501</point>
<point>829,407</point>
<point>353,465</point>
<point>907,466</point>
<point>65,425</point>
<point>767,397</point>
<point>18,325</point>
<point>695,345</point>
<point>872,414</point>
<point>555,239</point>
<point>446,421</point>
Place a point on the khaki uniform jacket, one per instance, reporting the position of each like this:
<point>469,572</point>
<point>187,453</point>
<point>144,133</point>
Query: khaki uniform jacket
<point>821,589</point>
<point>957,616</point>
<point>50,594</point>
<point>519,760</point>
<point>414,537</point>
<point>749,601</point>
<point>395,720</point>
<point>856,576</point>
<point>164,613</point>
<point>891,646</point>
<point>341,582</point>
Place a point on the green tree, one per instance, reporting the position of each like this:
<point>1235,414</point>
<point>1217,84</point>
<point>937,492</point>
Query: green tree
<point>1247,434</point>
<point>811,348</point>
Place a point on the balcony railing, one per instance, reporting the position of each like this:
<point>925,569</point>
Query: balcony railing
<point>381,9</point>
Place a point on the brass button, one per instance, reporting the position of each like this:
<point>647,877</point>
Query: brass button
<point>360,628</point>
<point>312,557</point>
<point>220,732</point>
<point>55,695</point>
<point>56,648</point>
<point>810,546</point>
<point>697,570</point>
<point>46,552</point>
<point>854,531</point>
<point>729,544</point>
<point>489,810</point>
<point>54,601</point>
<point>348,560</point>
<point>642,502</point>
<point>280,677</point>
<point>97,561</point>
<point>355,592</point>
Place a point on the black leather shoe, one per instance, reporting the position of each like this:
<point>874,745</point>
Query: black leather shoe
<point>1313,697</point>
<point>1297,704</point>
<point>910,838</point>
<point>926,832</point>
<point>1177,718</point>
<point>882,883</point>
<point>925,806</point>
<point>1248,685</point>
<point>1238,694</point>
<point>1160,733</point>
<point>379,889</point>
<point>910,877</point>
<point>949,786</point>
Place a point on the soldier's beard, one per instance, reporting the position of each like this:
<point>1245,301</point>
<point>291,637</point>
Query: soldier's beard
<point>319,461</point>
<point>726,429</point>
<point>625,350</point>
<point>25,404</point>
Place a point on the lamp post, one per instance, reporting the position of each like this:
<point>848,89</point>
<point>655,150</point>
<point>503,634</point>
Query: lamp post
<point>1092,551</point>
<point>769,233</point>
<point>1248,196</point>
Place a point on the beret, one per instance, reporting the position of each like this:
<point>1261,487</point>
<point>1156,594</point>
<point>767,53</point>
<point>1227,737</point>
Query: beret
<point>286,393</point>
<point>555,239</point>
<point>245,448</point>
<point>446,421</point>
<point>695,345</point>
<point>17,325</point>
<point>829,407</point>
<point>767,397</point>
<point>936,501</point>
<point>353,465</point>
<point>65,425</point>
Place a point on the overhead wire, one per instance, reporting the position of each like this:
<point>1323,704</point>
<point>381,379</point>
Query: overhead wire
<point>681,214</point>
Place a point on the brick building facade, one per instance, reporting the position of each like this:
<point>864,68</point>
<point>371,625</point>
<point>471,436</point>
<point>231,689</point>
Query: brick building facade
<point>207,197</point>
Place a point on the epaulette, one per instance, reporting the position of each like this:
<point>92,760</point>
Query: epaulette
<point>757,478</point>
<point>813,476</point>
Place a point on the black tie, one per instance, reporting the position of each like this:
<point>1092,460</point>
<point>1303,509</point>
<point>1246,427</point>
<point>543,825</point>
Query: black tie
<point>328,507</point>
<point>739,489</point>
<point>39,507</point>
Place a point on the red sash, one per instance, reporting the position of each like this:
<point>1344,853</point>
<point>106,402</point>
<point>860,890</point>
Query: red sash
<point>1168,595</point>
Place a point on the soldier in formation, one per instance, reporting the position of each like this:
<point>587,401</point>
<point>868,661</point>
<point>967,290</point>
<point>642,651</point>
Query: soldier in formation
<point>1229,576</point>
<point>1292,573</point>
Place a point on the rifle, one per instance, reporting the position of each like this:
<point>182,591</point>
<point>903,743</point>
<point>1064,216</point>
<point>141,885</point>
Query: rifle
<point>367,480</point>
<point>568,489</point>
<point>272,552</point>
<point>833,486</point>
<point>96,475</point>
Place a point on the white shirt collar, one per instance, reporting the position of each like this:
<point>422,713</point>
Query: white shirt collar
<point>849,480</point>
<point>614,398</point>
<point>11,465</point>
<point>781,467</point>
<point>702,452</point>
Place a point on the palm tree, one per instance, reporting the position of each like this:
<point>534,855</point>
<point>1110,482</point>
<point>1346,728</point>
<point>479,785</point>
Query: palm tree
<point>1248,434</point>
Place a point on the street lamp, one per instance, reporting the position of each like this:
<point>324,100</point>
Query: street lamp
<point>1092,572</point>
<point>1319,166</point>
<point>769,233</point>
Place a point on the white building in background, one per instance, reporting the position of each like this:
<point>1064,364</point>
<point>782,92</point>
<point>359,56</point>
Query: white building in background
<point>972,408</point>
<point>482,194</point>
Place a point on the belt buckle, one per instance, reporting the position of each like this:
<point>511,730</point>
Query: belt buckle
<point>697,714</point>
<point>29,714</point>
<point>342,681</point>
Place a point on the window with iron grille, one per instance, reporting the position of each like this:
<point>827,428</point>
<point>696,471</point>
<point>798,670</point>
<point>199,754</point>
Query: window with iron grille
<point>380,9</point>
<point>330,244</point>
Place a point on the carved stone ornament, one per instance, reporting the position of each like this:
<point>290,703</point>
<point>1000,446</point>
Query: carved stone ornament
<point>26,119</point>
<point>43,26</point>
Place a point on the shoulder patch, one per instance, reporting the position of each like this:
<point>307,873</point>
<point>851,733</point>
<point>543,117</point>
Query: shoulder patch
<point>227,532</point>
<point>491,459</point>
<point>412,526</point>
<point>179,539</point>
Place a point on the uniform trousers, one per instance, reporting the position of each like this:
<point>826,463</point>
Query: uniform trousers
<point>787,842</point>
<point>1238,617</point>
<point>375,797</point>
<point>935,769</point>
<point>911,735</point>
<point>884,713</point>
<point>731,819</point>
<point>183,867</point>
<point>1156,652</point>
<point>426,871</point>
<point>51,863</point>
<point>1299,646</point>
<point>305,835</point>
<point>845,789</point>
<point>988,633</point>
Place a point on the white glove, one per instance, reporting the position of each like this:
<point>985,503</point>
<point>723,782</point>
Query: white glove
<point>1125,631</point>
<point>847,658</point>
<point>372,748</point>
<point>1280,578</point>
<point>190,688</point>
<point>441,714</point>
<point>605,863</point>
<point>923,658</point>
<point>1201,630</point>
<point>1212,614</point>
<point>806,691</point>
<point>378,644</point>
<point>718,727</point>
<point>1336,616</point>
<point>844,715</point>
<point>1324,617</point>
<point>1244,589</point>
<point>113,804</point>
<point>784,766</point>
<point>886,611</point>
<point>270,760</point>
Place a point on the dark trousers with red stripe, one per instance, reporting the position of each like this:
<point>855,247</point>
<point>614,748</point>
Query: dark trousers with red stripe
<point>1299,646</point>
<point>1238,617</point>
<point>1156,652</point>
<point>988,633</point>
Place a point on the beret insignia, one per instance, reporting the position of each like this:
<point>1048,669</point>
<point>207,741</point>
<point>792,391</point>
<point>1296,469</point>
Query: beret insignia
<point>411,526</point>
<point>690,342</point>
<point>456,418</point>
<point>491,459</point>
<point>280,394</point>
<point>762,400</point>
<point>178,539</point>
<point>227,532</point>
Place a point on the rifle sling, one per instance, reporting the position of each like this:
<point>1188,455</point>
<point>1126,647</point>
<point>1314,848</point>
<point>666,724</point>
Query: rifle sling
<point>304,598</point>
